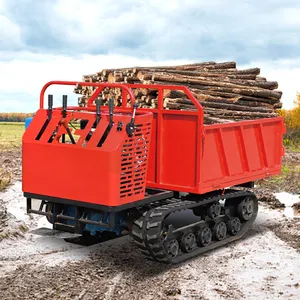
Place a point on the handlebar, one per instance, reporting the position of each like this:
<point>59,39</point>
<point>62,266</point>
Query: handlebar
<point>100,87</point>
<point>126,89</point>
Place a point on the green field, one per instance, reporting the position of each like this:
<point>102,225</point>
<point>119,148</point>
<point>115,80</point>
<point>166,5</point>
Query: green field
<point>11,134</point>
<point>10,139</point>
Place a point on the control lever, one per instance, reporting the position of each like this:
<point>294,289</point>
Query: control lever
<point>50,106</point>
<point>64,106</point>
<point>111,112</point>
<point>64,115</point>
<point>130,126</point>
<point>99,103</point>
<point>49,117</point>
<point>111,122</point>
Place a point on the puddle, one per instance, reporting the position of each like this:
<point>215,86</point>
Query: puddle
<point>288,200</point>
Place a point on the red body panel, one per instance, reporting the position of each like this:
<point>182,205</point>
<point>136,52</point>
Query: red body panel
<point>111,175</point>
<point>190,158</point>
<point>185,155</point>
<point>241,152</point>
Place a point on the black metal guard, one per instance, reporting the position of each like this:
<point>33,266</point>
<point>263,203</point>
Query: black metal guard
<point>151,195</point>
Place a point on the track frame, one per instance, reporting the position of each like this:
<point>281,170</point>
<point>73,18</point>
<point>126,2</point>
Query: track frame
<point>147,230</point>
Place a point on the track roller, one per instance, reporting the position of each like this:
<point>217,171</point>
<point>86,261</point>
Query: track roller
<point>214,210</point>
<point>220,231</point>
<point>245,209</point>
<point>204,236</point>
<point>234,226</point>
<point>188,242</point>
<point>172,247</point>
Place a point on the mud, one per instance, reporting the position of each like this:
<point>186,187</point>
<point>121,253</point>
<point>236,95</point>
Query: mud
<point>289,232</point>
<point>10,226</point>
<point>291,156</point>
<point>42,265</point>
<point>11,161</point>
<point>269,198</point>
<point>296,207</point>
<point>105,275</point>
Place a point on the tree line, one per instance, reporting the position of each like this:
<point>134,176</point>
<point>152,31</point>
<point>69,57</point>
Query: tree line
<point>292,122</point>
<point>14,117</point>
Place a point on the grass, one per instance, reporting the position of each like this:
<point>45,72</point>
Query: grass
<point>11,135</point>
<point>291,145</point>
<point>293,148</point>
<point>285,169</point>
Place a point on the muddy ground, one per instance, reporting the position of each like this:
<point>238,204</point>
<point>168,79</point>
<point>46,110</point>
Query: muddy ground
<point>37,263</point>
<point>11,161</point>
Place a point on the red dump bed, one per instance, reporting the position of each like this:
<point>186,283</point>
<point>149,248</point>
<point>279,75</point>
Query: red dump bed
<point>187,158</point>
<point>185,155</point>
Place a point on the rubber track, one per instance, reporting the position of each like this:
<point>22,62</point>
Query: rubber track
<point>146,230</point>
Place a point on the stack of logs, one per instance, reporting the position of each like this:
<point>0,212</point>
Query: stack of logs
<point>226,93</point>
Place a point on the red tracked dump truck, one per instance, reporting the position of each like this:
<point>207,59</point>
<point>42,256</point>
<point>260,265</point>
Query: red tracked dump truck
<point>138,170</point>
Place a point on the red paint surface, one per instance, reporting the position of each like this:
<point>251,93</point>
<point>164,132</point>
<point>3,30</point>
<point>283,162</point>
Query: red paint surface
<point>185,155</point>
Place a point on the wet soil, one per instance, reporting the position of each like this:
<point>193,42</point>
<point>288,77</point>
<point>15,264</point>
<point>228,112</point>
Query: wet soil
<point>42,265</point>
<point>11,161</point>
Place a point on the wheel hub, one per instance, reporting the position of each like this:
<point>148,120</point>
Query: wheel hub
<point>220,231</point>
<point>188,242</point>
<point>214,210</point>
<point>246,209</point>
<point>234,226</point>
<point>173,248</point>
<point>204,236</point>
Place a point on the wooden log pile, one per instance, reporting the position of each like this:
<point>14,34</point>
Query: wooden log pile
<point>226,93</point>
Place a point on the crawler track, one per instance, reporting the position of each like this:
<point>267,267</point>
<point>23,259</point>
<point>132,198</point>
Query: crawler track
<point>215,228</point>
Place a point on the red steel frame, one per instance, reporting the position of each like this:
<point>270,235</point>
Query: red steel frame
<point>111,174</point>
<point>188,156</point>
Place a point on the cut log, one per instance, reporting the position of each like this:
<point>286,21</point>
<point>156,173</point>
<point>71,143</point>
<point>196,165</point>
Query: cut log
<point>147,75</point>
<point>224,95</point>
<point>212,120</point>
<point>111,77</point>
<point>215,66</point>
<point>137,69</point>
<point>255,71</point>
<point>261,94</point>
<point>277,105</point>
<point>105,72</point>
<point>259,78</point>
<point>218,81</point>
<point>214,75</point>
<point>131,79</point>
<point>218,112</point>
<point>225,92</point>
<point>207,82</point>
<point>174,94</point>
<point>230,106</point>
<point>270,85</point>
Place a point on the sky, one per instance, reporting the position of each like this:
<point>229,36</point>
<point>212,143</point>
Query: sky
<point>43,40</point>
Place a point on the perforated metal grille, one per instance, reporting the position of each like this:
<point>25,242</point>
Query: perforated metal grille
<point>134,160</point>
